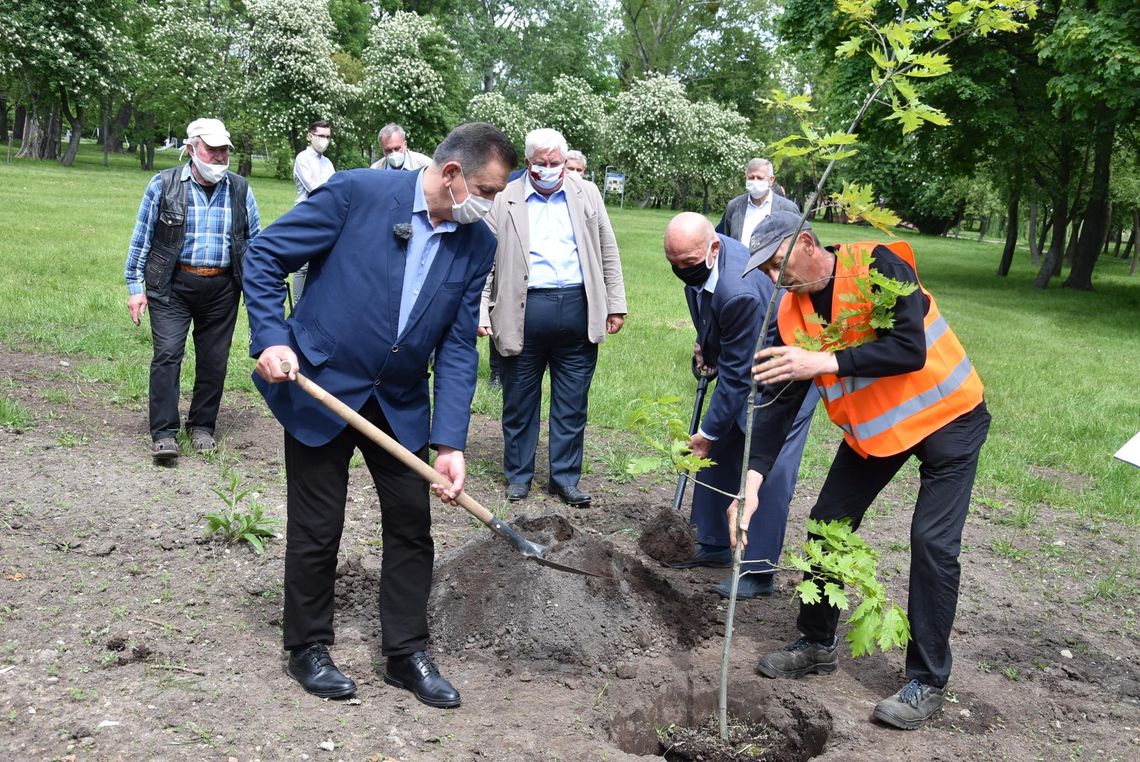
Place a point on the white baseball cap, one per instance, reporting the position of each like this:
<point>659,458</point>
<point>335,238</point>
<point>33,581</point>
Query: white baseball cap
<point>212,132</point>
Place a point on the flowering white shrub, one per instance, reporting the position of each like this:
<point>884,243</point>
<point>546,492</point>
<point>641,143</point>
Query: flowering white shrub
<point>573,109</point>
<point>291,79</point>
<point>512,119</point>
<point>411,76</point>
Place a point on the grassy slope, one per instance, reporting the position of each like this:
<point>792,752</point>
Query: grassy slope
<point>1059,366</point>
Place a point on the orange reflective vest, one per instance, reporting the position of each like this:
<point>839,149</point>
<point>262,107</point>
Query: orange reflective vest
<point>888,415</point>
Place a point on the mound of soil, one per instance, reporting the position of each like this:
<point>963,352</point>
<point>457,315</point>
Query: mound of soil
<point>667,537</point>
<point>488,597</point>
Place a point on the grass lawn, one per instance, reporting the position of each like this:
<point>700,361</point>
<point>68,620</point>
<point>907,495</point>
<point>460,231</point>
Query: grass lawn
<point>1060,367</point>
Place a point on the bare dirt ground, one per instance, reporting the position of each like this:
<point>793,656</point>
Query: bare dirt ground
<point>127,634</point>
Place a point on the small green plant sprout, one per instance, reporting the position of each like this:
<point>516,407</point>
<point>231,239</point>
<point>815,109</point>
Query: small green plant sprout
<point>841,563</point>
<point>237,526</point>
<point>659,427</point>
<point>15,415</point>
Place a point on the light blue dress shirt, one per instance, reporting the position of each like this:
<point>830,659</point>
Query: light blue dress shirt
<point>553,250</point>
<point>422,248</point>
<point>710,286</point>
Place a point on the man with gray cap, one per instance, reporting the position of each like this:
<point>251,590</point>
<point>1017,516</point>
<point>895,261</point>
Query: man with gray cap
<point>897,384</point>
<point>184,263</point>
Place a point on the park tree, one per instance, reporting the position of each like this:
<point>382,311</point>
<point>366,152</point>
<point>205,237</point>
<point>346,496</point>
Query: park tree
<point>572,108</point>
<point>520,46</point>
<point>187,68</point>
<point>652,122</point>
<point>290,78</point>
<point>736,57</point>
<point>1095,47</point>
<point>718,152</point>
<point>655,34</point>
<point>511,118</point>
<point>411,76</point>
<point>59,60</point>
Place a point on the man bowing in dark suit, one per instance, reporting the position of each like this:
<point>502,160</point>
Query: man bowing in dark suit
<point>762,196</point>
<point>727,308</point>
<point>396,272</point>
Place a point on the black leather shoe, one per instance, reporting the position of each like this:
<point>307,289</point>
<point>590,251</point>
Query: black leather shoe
<point>517,492</point>
<point>751,586</point>
<point>418,674</point>
<point>570,495</point>
<point>313,668</point>
<point>713,559</point>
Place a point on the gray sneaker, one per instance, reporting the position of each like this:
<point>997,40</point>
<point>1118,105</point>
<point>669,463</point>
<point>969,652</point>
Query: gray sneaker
<point>164,448</point>
<point>202,440</point>
<point>913,705</point>
<point>799,658</point>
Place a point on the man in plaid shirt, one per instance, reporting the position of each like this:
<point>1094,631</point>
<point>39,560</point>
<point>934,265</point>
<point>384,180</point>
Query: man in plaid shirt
<point>184,263</point>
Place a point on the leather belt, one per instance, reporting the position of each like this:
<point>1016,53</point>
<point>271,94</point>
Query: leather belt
<point>205,272</point>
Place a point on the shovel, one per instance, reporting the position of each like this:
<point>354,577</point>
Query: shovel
<point>525,547</point>
<point>702,389</point>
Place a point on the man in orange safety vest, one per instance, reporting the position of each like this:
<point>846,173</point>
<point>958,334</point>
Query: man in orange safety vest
<point>897,391</point>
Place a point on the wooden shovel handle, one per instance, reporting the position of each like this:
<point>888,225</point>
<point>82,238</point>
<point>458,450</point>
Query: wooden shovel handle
<point>390,445</point>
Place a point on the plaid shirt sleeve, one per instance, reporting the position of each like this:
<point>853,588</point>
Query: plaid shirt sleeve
<point>140,239</point>
<point>252,214</point>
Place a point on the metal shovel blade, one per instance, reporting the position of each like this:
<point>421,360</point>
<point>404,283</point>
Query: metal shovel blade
<point>525,547</point>
<point>533,550</point>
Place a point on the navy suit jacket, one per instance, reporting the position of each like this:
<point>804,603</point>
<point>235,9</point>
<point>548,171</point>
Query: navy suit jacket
<point>732,223</point>
<point>728,332</point>
<point>344,328</point>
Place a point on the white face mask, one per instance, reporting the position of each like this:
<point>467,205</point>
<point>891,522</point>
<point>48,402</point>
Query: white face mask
<point>211,174</point>
<point>757,188</point>
<point>473,208</point>
<point>548,177</point>
<point>320,145</point>
<point>396,159</point>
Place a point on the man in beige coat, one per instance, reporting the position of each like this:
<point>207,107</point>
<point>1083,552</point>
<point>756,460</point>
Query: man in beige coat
<point>397,155</point>
<point>555,292</point>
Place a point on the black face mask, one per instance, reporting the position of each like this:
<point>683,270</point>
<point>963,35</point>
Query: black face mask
<point>693,275</point>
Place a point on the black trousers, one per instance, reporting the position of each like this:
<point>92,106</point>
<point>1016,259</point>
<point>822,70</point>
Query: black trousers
<point>211,304</point>
<point>317,479</point>
<point>555,336</point>
<point>949,462</point>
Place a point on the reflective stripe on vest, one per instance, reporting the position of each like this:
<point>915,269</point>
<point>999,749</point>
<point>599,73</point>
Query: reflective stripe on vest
<point>890,414</point>
<point>852,384</point>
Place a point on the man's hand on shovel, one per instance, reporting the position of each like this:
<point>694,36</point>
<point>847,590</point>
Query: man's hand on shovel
<point>273,362</point>
<point>450,463</point>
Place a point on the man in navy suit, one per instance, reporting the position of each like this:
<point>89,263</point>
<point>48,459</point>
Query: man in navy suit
<point>728,308</point>
<point>396,271</point>
<point>762,196</point>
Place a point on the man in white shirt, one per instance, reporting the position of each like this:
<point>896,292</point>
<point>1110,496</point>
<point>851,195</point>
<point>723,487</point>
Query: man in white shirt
<point>397,155</point>
<point>311,169</point>
<point>555,293</point>
<point>760,198</point>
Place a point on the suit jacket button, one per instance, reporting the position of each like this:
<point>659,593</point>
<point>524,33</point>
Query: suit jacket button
<point>377,383</point>
<point>396,348</point>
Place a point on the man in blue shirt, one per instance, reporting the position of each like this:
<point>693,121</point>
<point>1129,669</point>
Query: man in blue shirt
<point>397,262</point>
<point>184,263</point>
<point>557,263</point>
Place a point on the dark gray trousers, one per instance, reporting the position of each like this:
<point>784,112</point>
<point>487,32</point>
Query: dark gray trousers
<point>211,304</point>
<point>555,337</point>
<point>949,461</point>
